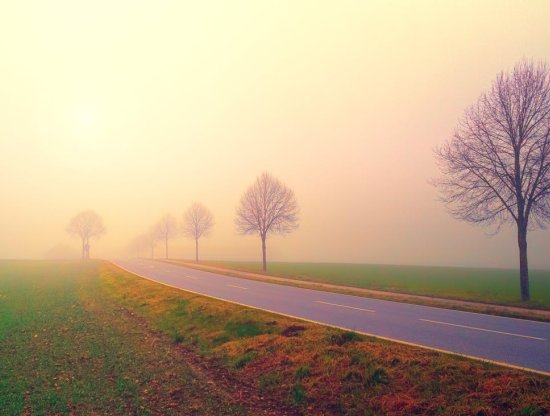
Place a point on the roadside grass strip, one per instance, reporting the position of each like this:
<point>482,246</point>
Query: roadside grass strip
<point>321,370</point>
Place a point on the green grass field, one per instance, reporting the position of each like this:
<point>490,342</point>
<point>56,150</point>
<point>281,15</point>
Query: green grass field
<point>499,286</point>
<point>66,349</point>
<point>87,338</point>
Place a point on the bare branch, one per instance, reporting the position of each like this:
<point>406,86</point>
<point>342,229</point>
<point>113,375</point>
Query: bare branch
<point>496,167</point>
<point>197,221</point>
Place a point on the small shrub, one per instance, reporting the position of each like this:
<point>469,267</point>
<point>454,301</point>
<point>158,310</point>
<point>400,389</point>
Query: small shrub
<point>352,375</point>
<point>355,359</point>
<point>298,394</point>
<point>302,372</point>
<point>359,358</point>
<point>342,338</point>
<point>293,330</point>
<point>375,376</point>
<point>395,361</point>
<point>178,338</point>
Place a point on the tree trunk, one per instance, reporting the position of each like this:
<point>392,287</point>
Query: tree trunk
<point>196,250</point>
<point>83,248</point>
<point>264,262</point>
<point>523,266</point>
<point>166,247</point>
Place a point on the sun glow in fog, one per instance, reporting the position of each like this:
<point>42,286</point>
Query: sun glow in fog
<point>86,118</point>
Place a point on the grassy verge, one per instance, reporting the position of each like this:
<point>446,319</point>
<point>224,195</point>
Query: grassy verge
<point>318,370</point>
<point>67,349</point>
<point>497,286</point>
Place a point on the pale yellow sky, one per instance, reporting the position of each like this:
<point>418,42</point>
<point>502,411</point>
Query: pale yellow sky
<point>138,108</point>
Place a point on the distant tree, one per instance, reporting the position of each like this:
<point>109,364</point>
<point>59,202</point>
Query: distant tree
<point>496,167</point>
<point>267,206</point>
<point>150,238</point>
<point>138,244</point>
<point>167,228</point>
<point>86,225</point>
<point>197,222</point>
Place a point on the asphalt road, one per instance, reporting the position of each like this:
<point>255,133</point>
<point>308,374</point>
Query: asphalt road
<point>513,341</point>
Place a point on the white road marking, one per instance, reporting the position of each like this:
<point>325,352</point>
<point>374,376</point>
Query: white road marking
<point>344,306</point>
<point>483,329</point>
<point>238,287</point>
<point>189,277</point>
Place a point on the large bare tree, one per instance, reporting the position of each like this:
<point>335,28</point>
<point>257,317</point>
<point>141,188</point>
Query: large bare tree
<point>86,225</point>
<point>496,167</point>
<point>167,228</point>
<point>197,222</point>
<point>267,206</point>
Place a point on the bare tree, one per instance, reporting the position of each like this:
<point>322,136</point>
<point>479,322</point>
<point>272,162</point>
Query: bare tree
<point>496,167</point>
<point>267,206</point>
<point>151,237</point>
<point>197,222</point>
<point>138,244</point>
<point>86,225</point>
<point>167,228</point>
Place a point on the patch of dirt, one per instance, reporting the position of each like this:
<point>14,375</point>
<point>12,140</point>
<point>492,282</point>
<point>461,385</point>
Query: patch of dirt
<point>293,330</point>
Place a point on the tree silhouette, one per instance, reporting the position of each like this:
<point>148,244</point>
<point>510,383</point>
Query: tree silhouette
<point>167,228</point>
<point>496,167</point>
<point>86,225</point>
<point>151,237</point>
<point>267,206</point>
<point>197,222</point>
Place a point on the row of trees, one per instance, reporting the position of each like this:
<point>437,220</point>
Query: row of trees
<point>267,207</point>
<point>197,222</point>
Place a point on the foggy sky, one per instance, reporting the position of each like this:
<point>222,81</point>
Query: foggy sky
<point>138,108</point>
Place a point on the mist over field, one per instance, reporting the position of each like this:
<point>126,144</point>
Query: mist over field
<point>138,109</point>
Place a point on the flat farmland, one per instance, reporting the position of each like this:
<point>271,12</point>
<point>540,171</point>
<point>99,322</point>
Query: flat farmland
<point>89,338</point>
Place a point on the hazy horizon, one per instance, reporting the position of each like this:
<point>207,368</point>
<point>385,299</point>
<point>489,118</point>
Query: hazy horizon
<point>137,109</point>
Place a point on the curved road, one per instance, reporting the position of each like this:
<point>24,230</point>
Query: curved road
<point>506,340</point>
